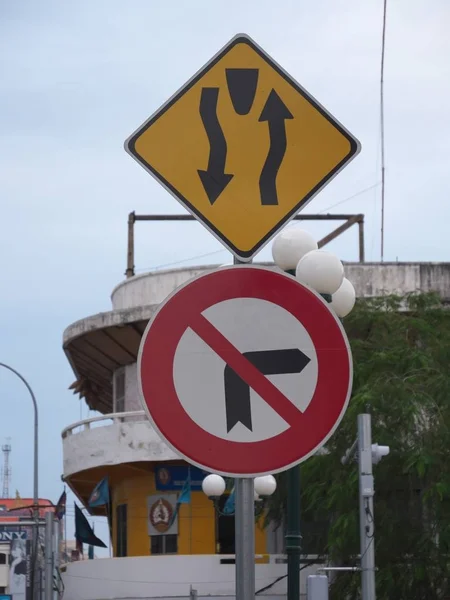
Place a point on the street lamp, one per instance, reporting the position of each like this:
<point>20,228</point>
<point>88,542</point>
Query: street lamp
<point>214,486</point>
<point>296,252</point>
<point>343,301</point>
<point>321,270</point>
<point>35,477</point>
<point>290,246</point>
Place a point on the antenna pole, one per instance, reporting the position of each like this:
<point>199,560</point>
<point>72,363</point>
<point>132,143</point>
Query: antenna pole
<point>383,47</point>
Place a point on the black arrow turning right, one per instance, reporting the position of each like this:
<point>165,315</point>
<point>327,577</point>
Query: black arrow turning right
<point>275,112</point>
<point>269,362</point>
<point>214,179</point>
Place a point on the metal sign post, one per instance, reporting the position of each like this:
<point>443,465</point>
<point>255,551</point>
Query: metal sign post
<point>245,539</point>
<point>244,533</point>
<point>366,518</point>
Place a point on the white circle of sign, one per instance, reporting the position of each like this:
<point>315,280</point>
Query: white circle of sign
<point>198,372</point>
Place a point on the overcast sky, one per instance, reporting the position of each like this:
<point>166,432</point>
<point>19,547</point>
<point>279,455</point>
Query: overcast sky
<point>76,78</point>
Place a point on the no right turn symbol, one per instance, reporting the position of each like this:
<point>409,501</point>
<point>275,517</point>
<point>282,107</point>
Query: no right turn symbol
<point>244,371</point>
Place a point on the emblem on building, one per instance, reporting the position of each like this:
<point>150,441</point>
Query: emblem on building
<point>160,515</point>
<point>163,476</point>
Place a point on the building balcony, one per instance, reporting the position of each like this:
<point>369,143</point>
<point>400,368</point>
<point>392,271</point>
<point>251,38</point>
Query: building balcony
<point>112,439</point>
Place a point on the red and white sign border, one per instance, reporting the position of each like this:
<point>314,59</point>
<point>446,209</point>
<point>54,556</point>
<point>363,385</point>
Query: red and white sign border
<point>284,277</point>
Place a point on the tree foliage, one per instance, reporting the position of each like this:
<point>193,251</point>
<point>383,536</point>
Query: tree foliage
<point>401,353</point>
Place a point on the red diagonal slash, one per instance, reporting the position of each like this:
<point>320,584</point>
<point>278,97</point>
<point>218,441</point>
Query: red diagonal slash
<point>246,371</point>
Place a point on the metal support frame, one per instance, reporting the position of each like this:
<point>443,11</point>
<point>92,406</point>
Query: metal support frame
<point>350,220</point>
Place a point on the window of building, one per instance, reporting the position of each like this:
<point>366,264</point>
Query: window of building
<point>2,559</point>
<point>164,544</point>
<point>119,391</point>
<point>121,530</point>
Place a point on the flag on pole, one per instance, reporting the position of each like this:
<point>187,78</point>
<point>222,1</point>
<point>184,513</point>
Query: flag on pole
<point>183,498</point>
<point>100,494</point>
<point>83,531</point>
<point>229,506</point>
<point>60,509</point>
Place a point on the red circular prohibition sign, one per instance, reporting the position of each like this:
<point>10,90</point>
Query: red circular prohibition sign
<point>308,430</point>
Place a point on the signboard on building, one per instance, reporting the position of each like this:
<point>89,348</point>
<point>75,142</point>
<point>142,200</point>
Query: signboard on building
<point>160,512</point>
<point>173,477</point>
<point>10,534</point>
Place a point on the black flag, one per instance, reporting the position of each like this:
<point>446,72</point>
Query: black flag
<point>83,531</point>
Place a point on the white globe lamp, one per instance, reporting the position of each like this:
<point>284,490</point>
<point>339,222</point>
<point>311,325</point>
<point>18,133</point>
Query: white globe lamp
<point>290,246</point>
<point>343,300</point>
<point>213,486</point>
<point>265,486</point>
<point>321,270</point>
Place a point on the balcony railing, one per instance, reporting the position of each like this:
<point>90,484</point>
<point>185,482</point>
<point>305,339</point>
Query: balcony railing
<point>103,420</point>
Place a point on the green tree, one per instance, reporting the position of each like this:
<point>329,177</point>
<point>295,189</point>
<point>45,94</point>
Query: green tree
<point>401,353</point>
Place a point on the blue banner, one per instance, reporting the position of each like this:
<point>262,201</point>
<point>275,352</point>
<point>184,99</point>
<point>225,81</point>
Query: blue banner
<point>170,477</point>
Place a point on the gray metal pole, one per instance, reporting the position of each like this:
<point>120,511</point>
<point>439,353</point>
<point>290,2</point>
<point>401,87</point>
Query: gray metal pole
<point>245,538</point>
<point>366,517</point>
<point>244,527</point>
<point>35,482</point>
<point>48,581</point>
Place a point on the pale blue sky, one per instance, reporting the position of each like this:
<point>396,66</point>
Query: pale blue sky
<point>76,78</point>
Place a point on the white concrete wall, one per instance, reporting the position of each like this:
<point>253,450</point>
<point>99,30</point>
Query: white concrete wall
<point>110,443</point>
<point>167,576</point>
<point>152,288</point>
<point>369,279</point>
<point>132,397</point>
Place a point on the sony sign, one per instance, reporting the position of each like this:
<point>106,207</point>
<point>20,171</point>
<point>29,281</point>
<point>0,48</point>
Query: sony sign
<point>8,536</point>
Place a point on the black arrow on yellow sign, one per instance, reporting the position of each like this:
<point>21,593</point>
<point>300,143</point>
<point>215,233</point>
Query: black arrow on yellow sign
<point>214,179</point>
<point>275,113</point>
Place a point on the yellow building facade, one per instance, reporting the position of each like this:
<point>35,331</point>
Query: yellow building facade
<point>118,442</point>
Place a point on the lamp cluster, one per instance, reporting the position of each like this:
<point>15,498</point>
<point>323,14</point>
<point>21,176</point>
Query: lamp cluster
<point>296,251</point>
<point>214,486</point>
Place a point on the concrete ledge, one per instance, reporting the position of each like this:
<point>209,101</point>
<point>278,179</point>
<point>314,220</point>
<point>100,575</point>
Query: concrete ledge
<point>113,443</point>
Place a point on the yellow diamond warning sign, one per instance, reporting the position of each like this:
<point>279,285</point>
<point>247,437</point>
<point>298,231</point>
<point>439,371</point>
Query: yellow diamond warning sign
<point>242,146</point>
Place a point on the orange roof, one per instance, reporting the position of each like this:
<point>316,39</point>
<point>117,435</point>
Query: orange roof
<point>13,508</point>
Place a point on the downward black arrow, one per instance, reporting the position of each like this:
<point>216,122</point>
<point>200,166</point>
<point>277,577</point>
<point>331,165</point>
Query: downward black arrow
<point>214,179</point>
<point>275,112</point>
<point>269,362</point>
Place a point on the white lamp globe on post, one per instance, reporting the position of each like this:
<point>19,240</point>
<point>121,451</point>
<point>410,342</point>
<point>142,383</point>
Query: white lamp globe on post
<point>213,486</point>
<point>321,270</point>
<point>290,246</point>
<point>265,486</point>
<point>343,300</point>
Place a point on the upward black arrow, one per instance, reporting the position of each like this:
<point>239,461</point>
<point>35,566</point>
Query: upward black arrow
<point>275,112</point>
<point>214,179</point>
<point>269,362</point>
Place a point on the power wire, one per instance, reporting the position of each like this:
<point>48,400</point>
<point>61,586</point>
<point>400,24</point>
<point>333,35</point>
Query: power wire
<point>370,187</point>
<point>179,262</point>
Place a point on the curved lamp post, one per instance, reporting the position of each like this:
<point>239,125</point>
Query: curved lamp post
<point>35,477</point>
<point>296,252</point>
